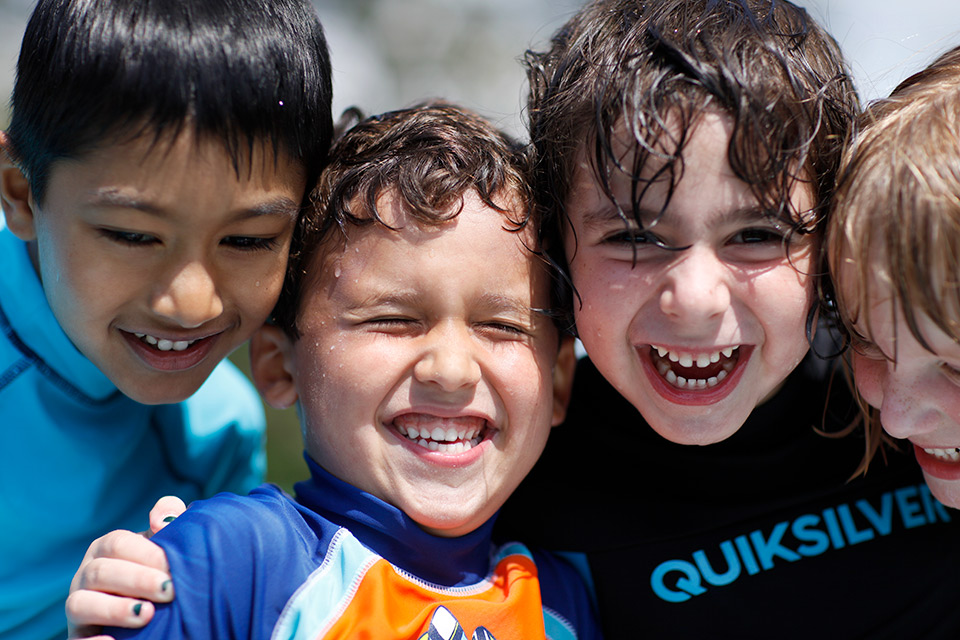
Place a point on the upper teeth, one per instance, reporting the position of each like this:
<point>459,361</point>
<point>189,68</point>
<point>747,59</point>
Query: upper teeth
<point>163,344</point>
<point>690,359</point>
<point>952,454</point>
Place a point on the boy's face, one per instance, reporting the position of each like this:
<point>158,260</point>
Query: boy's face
<point>159,261</point>
<point>424,375</point>
<point>694,339</point>
<point>918,395</point>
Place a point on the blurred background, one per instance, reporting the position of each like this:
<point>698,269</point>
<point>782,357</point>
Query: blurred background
<point>390,53</point>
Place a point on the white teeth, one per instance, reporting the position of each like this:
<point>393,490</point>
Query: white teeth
<point>443,439</point>
<point>951,455</point>
<point>162,344</point>
<point>687,360</point>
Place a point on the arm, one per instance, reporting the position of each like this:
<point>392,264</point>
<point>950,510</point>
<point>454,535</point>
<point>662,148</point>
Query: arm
<point>121,576</point>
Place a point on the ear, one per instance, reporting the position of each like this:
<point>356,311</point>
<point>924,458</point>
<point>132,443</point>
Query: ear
<point>271,365</point>
<point>15,196</point>
<point>563,379</point>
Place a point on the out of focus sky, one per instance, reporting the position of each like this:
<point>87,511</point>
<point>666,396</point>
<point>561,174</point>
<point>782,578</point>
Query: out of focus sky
<point>390,53</point>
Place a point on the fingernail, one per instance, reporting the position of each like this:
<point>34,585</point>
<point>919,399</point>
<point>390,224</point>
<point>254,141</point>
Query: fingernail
<point>136,608</point>
<point>165,587</point>
<point>170,518</point>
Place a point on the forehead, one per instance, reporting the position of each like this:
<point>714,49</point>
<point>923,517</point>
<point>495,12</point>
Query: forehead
<point>477,241</point>
<point>685,176</point>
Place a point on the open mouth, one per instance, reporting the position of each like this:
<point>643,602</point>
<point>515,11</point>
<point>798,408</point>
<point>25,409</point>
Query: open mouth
<point>694,371</point>
<point>162,344</point>
<point>444,435</point>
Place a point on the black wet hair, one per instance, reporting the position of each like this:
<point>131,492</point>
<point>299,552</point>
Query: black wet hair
<point>95,72</point>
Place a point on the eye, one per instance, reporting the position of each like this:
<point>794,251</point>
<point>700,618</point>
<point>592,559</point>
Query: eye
<point>633,237</point>
<point>951,372</point>
<point>129,238</point>
<point>391,324</point>
<point>504,329</point>
<point>249,243</point>
<point>757,235</point>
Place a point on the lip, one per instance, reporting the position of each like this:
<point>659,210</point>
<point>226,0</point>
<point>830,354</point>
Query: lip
<point>694,397</point>
<point>935,467</point>
<point>171,361</point>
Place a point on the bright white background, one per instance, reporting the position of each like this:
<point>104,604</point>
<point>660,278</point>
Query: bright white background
<point>390,53</point>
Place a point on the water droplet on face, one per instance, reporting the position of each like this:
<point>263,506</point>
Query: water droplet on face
<point>336,271</point>
<point>257,283</point>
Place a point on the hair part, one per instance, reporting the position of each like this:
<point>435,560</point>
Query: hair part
<point>428,157</point>
<point>896,214</point>
<point>649,68</point>
<point>96,72</point>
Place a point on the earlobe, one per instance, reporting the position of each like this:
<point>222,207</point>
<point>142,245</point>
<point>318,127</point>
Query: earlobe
<point>271,365</point>
<point>15,196</point>
<point>563,379</point>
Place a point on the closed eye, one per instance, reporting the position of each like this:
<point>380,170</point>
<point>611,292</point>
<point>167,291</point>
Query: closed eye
<point>249,243</point>
<point>129,238</point>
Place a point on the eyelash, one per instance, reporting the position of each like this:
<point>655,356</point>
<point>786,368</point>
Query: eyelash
<point>240,243</point>
<point>766,235</point>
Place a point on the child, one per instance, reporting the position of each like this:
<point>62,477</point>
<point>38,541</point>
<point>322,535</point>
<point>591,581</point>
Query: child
<point>150,178</point>
<point>415,338</point>
<point>687,152</point>
<point>894,243</point>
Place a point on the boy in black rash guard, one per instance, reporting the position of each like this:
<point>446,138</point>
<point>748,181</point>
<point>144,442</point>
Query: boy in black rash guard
<point>687,153</point>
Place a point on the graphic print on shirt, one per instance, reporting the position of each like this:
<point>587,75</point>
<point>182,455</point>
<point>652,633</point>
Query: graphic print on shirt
<point>444,626</point>
<point>807,535</point>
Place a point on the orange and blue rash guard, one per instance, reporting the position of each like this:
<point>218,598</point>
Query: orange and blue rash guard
<point>339,563</point>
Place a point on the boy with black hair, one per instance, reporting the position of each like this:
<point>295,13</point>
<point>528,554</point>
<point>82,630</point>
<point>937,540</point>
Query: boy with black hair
<point>688,150</point>
<point>415,338</point>
<point>151,177</point>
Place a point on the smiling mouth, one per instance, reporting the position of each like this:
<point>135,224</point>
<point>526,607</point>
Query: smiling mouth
<point>694,371</point>
<point>444,435</point>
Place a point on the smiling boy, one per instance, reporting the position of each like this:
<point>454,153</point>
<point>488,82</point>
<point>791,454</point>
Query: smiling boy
<point>415,338</point>
<point>153,170</point>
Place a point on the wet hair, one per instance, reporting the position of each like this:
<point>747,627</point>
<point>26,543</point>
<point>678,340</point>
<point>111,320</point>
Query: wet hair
<point>896,217</point>
<point>650,67</point>
<point>428,157</point>
<point>96,72</point>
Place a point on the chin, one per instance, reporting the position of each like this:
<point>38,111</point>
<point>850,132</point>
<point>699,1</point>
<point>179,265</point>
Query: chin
<point>946,491</point>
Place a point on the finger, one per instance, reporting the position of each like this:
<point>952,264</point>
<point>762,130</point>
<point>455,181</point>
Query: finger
<point>124,578</point>
<point>165,511</point>
<point>88,611</point>
<point>126,545</point>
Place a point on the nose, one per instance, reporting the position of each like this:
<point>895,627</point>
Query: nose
<point>696,287</point>
<point>190,297</point>
<point>904,411</point>
<point>448,360</point>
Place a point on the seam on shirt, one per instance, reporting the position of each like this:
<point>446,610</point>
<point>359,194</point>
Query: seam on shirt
<point>33,359</point>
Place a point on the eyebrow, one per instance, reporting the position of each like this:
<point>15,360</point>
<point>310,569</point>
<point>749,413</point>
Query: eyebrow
<point>489,302</point>
<point>113,198</point>
<point>605,214</point>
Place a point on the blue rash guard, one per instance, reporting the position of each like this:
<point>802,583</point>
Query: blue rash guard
<point>79,459</point>
<point>339,563</point>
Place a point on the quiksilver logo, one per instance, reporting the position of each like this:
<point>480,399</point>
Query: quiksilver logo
<point>806,536</point>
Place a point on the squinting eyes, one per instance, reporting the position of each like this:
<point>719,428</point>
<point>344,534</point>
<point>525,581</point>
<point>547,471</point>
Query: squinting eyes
<point>241,243</point>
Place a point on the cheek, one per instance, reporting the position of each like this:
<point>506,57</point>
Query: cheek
<point>870,376</point>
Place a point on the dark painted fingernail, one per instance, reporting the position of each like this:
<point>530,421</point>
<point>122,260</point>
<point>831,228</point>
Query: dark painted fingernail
<point>136,608</point>
<point>170,518</point>
<point>165,586</point>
